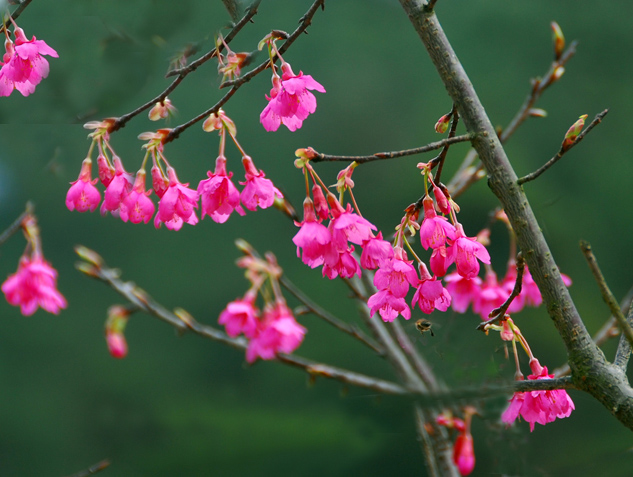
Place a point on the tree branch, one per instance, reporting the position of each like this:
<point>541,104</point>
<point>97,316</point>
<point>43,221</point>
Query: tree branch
<point>590,370</point>
<point>17,223</point>
<point>379,156</point>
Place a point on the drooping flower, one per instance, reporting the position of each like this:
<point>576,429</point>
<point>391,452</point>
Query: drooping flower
<point>24,64</point>
<point>83,195</point>
<point>177,204</point>
<point>538,406</point>
<point>240,316</point>
<point>278,332</point>
<point>258,191</point>
<point>290,102</point>
<point>429,293</point>
<point>435,230</point>
<point>340,263</point>
<point>218,195</point>
<point>388,305</point>
<point>138,205</point>
<point>117,190</point>
<point>347,225</point>
<point>376,252</point>
<point>313,238</point>
<point>462,290</point>
<point>397,275</point>
<point>161,110</point>
<point>464,453</point>
<point>34,284</point>
<point>466,251</point>
<point>440,260</point>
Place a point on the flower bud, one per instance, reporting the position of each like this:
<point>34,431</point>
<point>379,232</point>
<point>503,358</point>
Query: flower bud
<point>558,39</point>
<point>441,126</point>
<point>573,131</point>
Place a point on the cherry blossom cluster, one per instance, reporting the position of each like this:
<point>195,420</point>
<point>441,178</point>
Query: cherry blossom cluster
<point>125,195</point>
<point>271,329</point>
<point>463,448</point>
<point>533,406</point>
<point>34,284</point>
<point>290,101</point>
<point>23,65</point>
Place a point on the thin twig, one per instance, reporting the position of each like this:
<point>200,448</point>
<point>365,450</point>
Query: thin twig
<point>96,268</point>
<point>607,331</point>
<point>235,85</point>
<point>498,314</point>
<point>17,223</point>
<point>351,330</point>
<point>607,296</point>
<point>563,150</point>
<point>442,155</point>
<point>98,467</point>
<point>121,121</point>
<point>394,154</point>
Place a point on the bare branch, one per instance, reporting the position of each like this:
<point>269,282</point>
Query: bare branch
<point>530,177</point>
<point>394,154</point>
<point>17,223</point>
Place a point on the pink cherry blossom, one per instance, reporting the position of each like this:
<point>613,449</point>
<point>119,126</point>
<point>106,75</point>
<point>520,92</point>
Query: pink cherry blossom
<point>160,183</point>
<point>83,195</point>
<point>177,204</point>
<point>278,332</point>
<point>320,202</point>
<point>348,226</point>
<point>290,102</point>
<point>34,284</point>
<point>138,205</point>
<point>313,237</point>
<point>218,195</point>
<point>258,191</point>
<point>462,290</point>
<point>435,230</point>
<point>466,251</point>
<point>24,66</point>
<point>429,293</point>
<point>396,275</point>
<point>440,260</point>
<point>538,406</point>
<point>117,190</point>
<point>106,170</point>
<point>340,263</point>
<point>376,253</point>
<point>240,316</point>
<point>116,344</point>
<point>388,305</point>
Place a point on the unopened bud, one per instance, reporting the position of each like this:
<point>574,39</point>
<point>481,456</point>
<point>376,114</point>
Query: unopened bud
<point>442,124</point>
<point>89,256</point>
<point>559,40</point>
<point>464,453</point>
<point>537,113</point>
<point>558,72</point>
<point>573,132</point>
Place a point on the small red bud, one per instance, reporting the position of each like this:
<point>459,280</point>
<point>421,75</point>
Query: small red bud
<point>442,124</point>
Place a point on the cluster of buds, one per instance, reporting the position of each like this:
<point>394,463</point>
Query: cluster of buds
<point>272,329</point>
<point>23,65</point>
<point>125,195</point>
<point>34,284</point>
<point>463,448</point>
<point>290,101</point>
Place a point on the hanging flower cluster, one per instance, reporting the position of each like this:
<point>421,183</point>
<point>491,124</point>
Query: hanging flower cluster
<point>290,101</point>
<point>23,65</point>
<point>125,195</point>
<point>270,330</point>
<point>533,406</point>
<point>34,284</point>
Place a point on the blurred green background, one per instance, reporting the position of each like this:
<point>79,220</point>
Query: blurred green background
<point>180,405</point>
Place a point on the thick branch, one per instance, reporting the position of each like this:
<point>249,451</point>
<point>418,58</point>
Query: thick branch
<point>590,370</point>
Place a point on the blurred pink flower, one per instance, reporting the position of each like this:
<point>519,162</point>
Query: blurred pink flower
<point>83,195</point>
<point>278,332</point>
<point>240,316</point>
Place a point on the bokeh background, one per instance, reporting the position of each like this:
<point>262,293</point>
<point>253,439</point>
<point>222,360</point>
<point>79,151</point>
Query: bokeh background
<point>180,405</point>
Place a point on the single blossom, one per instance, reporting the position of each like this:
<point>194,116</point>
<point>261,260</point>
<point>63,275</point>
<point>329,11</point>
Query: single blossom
<point>258,191</point>
<point>435,230</point>
<point>240,316</point>
<point>397,275</point>
<point>138,205</point>
<point>290,102</point>
<point>218,195</point>
<point>539,406</point>
<point>278,332</point>
<point>440,260</point>
<point>429,293</point>
<point>177,204</point>
<point>340,263</point>
<point>465,253</point>
<point>117,190</point>
<point>34,284</point>
<point>24,64</point>
<point>462,290</point>
<point>161,110</point>
<point>376,253</point>
<point>388,305</point>
<point>348,226</point>
<point>83,195</point>
<point>313,238</point>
